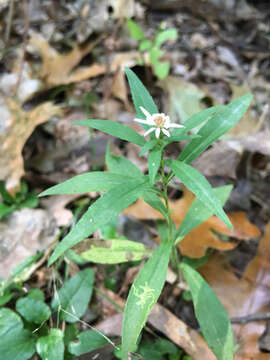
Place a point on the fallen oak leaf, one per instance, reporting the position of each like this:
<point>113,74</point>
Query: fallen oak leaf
<point>58,69</point>
<point>196,243</point>
<point>18,125</point>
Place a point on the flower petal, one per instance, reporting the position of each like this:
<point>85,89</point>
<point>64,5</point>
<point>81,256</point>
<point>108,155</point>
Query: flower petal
<point>149,131</point>
<point>166,132</point>
<point>142,121</point>
<point>157,132</point>
<point>146,113</point>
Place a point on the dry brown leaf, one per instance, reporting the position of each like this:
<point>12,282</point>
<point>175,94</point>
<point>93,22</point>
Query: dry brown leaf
<point>222,159</point>
<point>184,97</point>
<point>119,88</point>
<point>258,142</point>
<point>59,69</point>
<point>181,334</point>
<point>18,125</point>
<point>246,296</point>
<point>247,124</point>
<point>200,239</point>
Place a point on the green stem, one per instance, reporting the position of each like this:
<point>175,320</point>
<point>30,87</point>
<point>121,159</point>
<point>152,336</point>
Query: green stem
<point>165,181</point>
<point>165,196</point>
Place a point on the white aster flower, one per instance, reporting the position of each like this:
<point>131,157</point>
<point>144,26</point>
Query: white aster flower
<point>158,122</point>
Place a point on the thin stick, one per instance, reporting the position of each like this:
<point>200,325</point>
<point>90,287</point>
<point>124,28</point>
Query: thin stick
<point>249,318</point>
<point>9,21</point>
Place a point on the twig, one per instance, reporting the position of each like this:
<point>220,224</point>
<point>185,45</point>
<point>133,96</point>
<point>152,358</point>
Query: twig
<point>263,116</point>
<point>249,318</point>
<point>9,21</point>
<point>108,49</point>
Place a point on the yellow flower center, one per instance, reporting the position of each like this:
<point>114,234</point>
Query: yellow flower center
<point>159,121</point>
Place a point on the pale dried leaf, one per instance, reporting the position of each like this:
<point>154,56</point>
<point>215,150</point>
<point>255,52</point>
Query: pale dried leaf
<point>23,234</point>
<point>16,128</point>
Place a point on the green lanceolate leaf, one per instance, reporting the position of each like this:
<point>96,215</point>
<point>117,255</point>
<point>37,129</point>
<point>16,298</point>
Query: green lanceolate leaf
<point>153,200</point>
<point>177,138</point>
<point>163,230</point>
<point>115,129</point>
<point>218,125</point>
<point>148,146</point>
<point>161,69</point>
<point>74,295</point>
<point>212,317</point>
<point>145,45</point>
<point>33,310</point>
<point>89,340</point>
<point>114,251</point>
<point>140,95</point>
<point>16,343</point>
<point>143,295</point>
<point>6,209</point>
<point>198,184</point>
<point>51,347</point>
<point>121,166</point>
<point>200,117</point>
<point>135,30</point>
<point>105,209</point>
<point>92,181</point>
<point>199,212</point>
<point>154,159</point>
<point>165,35</point>
<point>4,299</point>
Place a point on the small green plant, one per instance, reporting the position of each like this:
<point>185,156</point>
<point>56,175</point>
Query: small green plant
<point>153,47</point>
<point>124,183</point>
<point>22,199</point>
<point>25,330</point>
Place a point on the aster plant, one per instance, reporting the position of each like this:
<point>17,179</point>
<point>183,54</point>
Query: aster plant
<point>124,183</point>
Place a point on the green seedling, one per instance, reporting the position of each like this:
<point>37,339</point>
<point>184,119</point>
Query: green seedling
<point>152,47</point>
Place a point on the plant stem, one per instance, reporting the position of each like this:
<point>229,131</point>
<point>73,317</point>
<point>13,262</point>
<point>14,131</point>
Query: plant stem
<point>174,256</point>
<point>165,196</point>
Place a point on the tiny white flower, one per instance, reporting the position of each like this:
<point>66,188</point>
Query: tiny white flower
<point>158,122</point>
